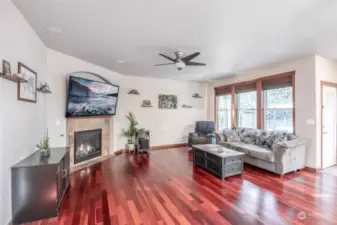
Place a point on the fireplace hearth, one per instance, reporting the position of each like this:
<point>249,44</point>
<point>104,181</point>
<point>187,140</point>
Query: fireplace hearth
<point>87,145</point>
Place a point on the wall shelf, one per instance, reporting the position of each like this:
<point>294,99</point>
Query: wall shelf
<point>13,78</point>
<point>43,91</point>
<point>196,95</point>
<point>133,92</point>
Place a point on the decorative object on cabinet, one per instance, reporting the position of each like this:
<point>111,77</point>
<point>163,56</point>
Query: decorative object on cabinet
<point>6,68</point>
<point>133,92</point>
<point>196,95</point>
<point>27,91</point>
<point>147,103</point>
<point>44,88</point>
<point>43,146</point>
<point>45,182</point>
<point>186,106</point>
<point>167,101</point>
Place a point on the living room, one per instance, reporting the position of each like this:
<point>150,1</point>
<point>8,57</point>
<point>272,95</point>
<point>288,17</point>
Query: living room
<point>224,76</point>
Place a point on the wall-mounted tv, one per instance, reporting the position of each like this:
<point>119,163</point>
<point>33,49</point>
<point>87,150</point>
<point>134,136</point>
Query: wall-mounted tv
<point>91,98</point>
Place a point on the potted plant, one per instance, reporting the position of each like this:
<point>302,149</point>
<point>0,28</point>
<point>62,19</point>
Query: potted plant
<point>131,132</point>
<point>43,146</point>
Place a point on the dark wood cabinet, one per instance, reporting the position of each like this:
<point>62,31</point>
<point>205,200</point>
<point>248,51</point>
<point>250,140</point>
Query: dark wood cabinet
<point>39,185</point>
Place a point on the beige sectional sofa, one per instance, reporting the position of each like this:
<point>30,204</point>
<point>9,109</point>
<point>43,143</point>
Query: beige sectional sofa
<point>277,152</point>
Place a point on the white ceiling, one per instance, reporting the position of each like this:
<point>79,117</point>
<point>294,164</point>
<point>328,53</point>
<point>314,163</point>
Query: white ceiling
<point>231,35</point>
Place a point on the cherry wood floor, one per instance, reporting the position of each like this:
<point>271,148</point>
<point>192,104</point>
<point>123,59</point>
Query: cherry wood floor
<point>165,188</point>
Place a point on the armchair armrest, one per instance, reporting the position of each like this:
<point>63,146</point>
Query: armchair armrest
<point>220,137</point>
<point>193,134</point>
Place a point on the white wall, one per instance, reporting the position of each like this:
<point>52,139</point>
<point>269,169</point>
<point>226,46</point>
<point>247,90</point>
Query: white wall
<point>21,123</point>
<point>326,70</point>
<point>305,96</point>
<point>166,126</point>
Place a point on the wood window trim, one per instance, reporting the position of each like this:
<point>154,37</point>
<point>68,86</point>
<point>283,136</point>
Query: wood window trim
<point>259,91</point>
<point>259,106</point>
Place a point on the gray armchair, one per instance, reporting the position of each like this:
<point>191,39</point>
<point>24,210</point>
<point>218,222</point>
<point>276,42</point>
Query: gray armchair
<point>204,133</point>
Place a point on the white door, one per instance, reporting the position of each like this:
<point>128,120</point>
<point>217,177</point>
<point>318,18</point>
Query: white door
<point>329,126</point>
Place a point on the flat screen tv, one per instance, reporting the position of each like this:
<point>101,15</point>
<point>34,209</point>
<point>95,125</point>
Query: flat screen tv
<point>91,98</point>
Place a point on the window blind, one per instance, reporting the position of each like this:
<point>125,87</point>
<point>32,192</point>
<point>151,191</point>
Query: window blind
<point>247,87</point>
<point>223,90</point>
<point>275,83</point>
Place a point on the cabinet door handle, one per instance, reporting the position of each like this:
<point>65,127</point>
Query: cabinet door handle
<point>65,173</point>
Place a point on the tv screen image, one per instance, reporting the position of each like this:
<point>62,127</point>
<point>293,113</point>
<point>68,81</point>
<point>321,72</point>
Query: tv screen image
<point>91,98</point>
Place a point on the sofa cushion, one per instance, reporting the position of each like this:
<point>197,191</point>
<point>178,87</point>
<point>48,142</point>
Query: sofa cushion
<point>261,153</point>
<point>240,146</point>
<point>231,136</point>
<point>251,150</point>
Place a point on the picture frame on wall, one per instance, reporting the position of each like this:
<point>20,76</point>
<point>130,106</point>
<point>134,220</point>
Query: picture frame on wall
<point>167,101</point>
<point>6,68</point>
<point>27,91</point>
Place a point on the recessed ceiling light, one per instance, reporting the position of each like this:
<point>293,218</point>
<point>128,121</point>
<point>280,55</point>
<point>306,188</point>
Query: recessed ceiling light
<point>53,30</point>
<point>121,61</point>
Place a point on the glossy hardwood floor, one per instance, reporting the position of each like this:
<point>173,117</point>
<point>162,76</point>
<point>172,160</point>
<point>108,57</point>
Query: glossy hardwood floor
<point>165,188</point>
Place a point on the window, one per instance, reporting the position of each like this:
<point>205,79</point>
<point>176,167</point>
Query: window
<point>278,109</point>
<point>224,106</point>
<point>246,105</point>
<point>246,109</point>
<point>265,103</point>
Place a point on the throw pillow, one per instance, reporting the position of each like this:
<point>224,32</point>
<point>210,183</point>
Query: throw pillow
<point>232,136</point>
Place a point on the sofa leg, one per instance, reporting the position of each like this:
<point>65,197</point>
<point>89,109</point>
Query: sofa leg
<point>278,175</point>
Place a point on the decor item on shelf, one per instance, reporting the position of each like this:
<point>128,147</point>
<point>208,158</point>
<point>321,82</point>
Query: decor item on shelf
<point>196,95</point>
<point>43,146</point>
<point>133,92</point>
<point>186,106</point>
<point>167,101</point>
<point>44,88</point>
<point>131,132</point>
<point>6,68</point>
<point>147,103</point>
<point>27,91</point>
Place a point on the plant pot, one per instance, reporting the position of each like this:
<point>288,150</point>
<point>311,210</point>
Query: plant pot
<point>44,152</point>
<point>130,146</point>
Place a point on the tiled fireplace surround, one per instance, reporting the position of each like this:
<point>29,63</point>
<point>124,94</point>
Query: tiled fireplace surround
<point>88,123</point>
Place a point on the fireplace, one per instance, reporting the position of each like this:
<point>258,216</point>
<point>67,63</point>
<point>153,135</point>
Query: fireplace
<point>87,145</point>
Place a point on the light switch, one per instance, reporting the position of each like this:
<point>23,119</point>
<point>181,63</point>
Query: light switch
<point>57,123</point>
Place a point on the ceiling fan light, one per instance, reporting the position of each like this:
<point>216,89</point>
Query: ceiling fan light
<point>180,65</point>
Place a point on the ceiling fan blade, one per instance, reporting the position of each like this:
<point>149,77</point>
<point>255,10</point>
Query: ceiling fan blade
<point>167,57</point>
<point>190,57</point>
<point>195,64</point>
<point>164,64</point>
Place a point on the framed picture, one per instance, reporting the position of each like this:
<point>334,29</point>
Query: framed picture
<point>167,102</point>
<point>6,68</point>
<point>27,91</point>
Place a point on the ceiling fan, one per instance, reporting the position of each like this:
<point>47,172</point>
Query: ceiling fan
<point>180,62</point>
